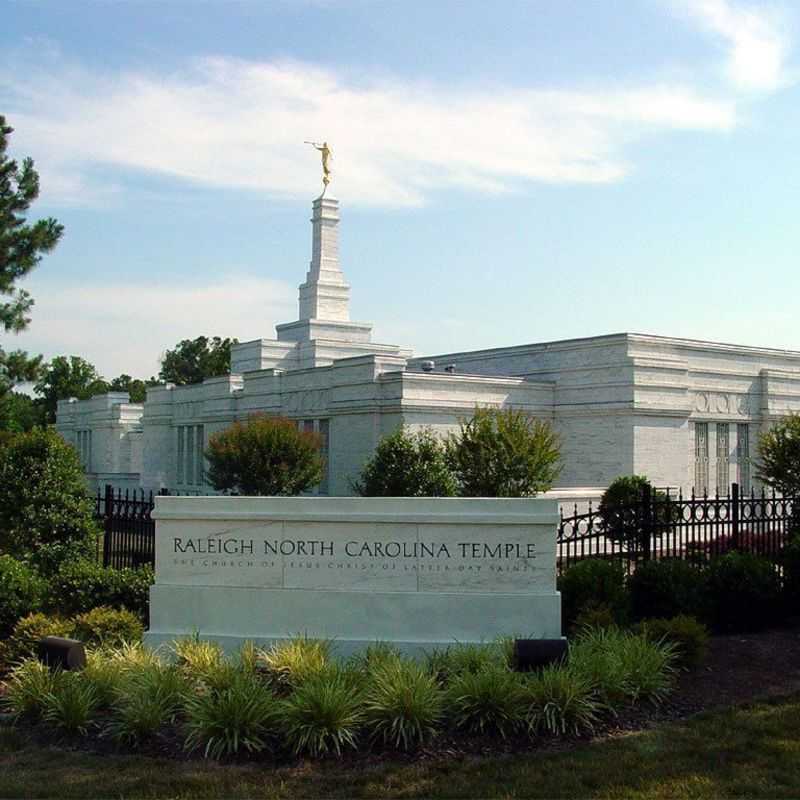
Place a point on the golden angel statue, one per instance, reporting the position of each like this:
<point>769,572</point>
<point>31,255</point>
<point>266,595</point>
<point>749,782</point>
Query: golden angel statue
<point>327,155</point>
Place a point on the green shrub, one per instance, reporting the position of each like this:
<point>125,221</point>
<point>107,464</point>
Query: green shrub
<point>595,617</point>
<point>149,700</point>
<point>408,464</point>
<point>623,513</point>
<point>82,585</point>
<point>457,659</point>
<point>237,715</point>
<point>667,589</point>
<point>790,561</point>
<point>403,704</point>
<point>21,592</point>
<point>264,456</point>
<point>28,686</point>
<point>45,509</point>
<point>27,633</point>
<point>132,591</point>
<point>504,453</point>
<point>107,626</point>
<point>491,700</point>
<point>324,713</point>
<point>743,592</point>
<point>72,705</point>
<point>289,663</point>
<point>689,636</point>
<point>590,584</point>
<point>560,701</point>
<point>624,667</point>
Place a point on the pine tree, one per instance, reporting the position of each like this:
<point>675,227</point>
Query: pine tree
<point>21,247</point>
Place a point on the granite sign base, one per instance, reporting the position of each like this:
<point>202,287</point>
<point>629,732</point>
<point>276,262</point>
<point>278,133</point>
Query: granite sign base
<point>412,622</point>
<point>421,573</point>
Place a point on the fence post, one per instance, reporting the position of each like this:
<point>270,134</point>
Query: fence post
<point>647,520</point>
<point>108,512</point>
<point>735,515</point>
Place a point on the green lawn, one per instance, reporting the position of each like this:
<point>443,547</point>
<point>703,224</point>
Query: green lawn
<point>748,752</point>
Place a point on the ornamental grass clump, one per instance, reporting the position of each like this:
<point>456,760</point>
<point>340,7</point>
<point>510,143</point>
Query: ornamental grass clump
<point>324,713</point>
<point>458,659</point>
<point>624,667</point>
<point>226,720</point>
<point>102,672</point>
<point>131,657</point>
<point>595,656</point>
<point>27,688</point>
<point>561,701</point>
<point>201,661</point>
<point>72,704</point>
<point>649,668</point>
<point>145,703</point>
<point>404,704</point>
<point>374,657</point>
<point>490,701</point>
<point>248,658</point>
<point>294,661</point>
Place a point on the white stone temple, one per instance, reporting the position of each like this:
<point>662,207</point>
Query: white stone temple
<point>685,413</point>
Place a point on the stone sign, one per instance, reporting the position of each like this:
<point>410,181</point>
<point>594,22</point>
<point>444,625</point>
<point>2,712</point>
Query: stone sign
<point>420,572</point>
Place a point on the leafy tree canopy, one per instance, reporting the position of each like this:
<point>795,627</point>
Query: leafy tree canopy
<point>19,412</point>
<point>779,456</point>
<point>17,367</point>
<point>21,247</point>
<point>193,360</point>
<point>504,453</point>
<point>136,388</point>
<point>408,464</point>
<point>65,377</point>
<point>265,456</point>
<point>73,376</point>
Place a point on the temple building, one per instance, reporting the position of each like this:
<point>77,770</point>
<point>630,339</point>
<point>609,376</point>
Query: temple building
<point>685,413</point>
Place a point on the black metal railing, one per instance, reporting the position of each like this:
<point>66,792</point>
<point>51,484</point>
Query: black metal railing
<point>129,534</point>
<point>659,525</point>
<point>667,525</point>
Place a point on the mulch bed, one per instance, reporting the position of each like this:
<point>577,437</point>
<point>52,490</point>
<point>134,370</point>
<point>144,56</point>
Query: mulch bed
<point>739,669</point>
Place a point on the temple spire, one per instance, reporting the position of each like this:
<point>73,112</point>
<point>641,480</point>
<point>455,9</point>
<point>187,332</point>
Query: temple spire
<point>325,295</point>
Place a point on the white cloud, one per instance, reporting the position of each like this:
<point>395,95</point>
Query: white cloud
<point>231,123</point>
<point>126,328</point>
<point>755,37</point>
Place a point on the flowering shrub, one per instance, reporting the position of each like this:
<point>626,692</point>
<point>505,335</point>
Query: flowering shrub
<point>264,456</point>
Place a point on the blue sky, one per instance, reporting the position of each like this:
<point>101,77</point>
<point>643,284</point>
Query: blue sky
<point>508,172</point>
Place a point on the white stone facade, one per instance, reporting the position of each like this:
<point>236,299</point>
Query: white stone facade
<point>685,413</point>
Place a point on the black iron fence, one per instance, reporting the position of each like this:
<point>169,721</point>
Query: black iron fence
<point>663,524</point>
<point>659,525</point>
<point>129,535</point>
